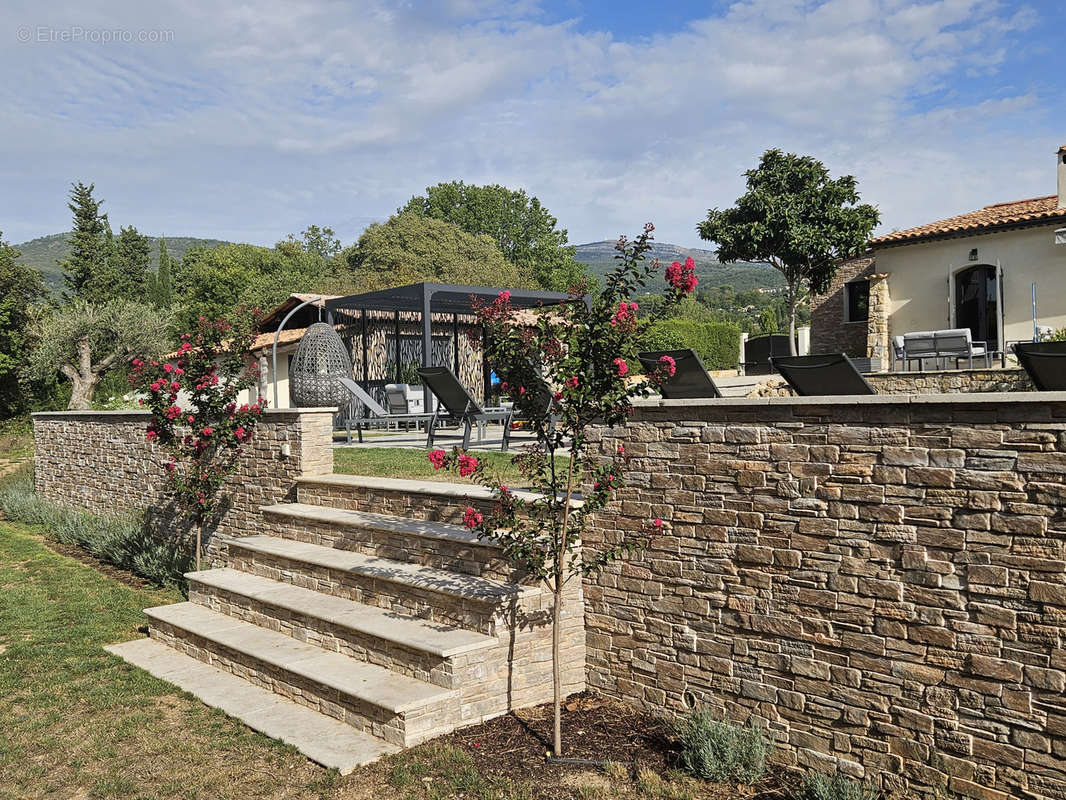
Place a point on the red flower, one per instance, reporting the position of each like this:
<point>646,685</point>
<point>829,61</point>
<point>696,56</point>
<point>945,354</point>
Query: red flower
<point>437,458</point>
<point>504,296</point>
<point>681,277</point>
<point>572,381</point>
<point>168,368</point>
<point>207,431</point>
<point>471,518</point>
<point>669,365</point>
<point>240,434</point>
<point>658,523</point>
<point>467,465</point>
<point>622,367</point>
<point>151,436</point>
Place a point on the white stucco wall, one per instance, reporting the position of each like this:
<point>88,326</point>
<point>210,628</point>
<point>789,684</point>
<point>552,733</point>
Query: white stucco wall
<point>919,280</point>
<point>283,384</point>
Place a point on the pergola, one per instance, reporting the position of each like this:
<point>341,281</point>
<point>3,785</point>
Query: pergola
<point>427,299</point>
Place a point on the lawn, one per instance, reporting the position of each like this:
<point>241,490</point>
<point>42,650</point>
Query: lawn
<point>396,462</point>
<point>80,723</point>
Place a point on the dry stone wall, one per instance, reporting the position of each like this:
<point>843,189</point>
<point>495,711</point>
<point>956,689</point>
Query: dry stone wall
<point>99,461</point>
<point>947,381</point>
<point>881,583</point>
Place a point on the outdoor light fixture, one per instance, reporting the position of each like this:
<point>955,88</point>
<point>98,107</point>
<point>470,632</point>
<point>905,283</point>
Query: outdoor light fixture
<point>973,254</point>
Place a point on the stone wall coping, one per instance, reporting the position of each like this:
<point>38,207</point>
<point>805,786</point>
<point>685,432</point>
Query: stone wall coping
<point>981,399</point>
<point>137,413</point>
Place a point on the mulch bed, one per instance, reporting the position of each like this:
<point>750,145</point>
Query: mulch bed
<point>595,729</point>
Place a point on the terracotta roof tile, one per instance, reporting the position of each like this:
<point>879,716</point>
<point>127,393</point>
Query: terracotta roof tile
<point>1000,215</point>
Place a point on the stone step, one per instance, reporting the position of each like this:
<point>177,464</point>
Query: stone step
<point>437,501</point>
<point>323,739</point>
<point>453,598</point>
<point>401,643</point>
<point>394,707</point>
<point>432,544</point>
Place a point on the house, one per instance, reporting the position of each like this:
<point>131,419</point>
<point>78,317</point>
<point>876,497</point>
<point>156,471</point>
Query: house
<point>980,270</point>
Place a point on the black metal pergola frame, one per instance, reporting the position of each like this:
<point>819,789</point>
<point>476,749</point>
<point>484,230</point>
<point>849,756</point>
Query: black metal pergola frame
<point>427,299</point>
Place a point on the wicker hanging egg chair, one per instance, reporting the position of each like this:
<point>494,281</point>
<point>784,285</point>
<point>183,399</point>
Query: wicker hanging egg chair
<point>320,360</point>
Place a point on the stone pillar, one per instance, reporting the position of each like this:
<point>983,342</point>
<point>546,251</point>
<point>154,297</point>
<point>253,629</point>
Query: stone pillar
<point>877,342</point>
<point>803,340</point>
<point>743,349</point>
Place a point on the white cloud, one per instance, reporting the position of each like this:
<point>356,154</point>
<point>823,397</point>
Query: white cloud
<point>258,119</point>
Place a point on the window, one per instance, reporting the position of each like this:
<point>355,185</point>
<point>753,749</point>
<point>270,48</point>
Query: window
<point>857,301</point>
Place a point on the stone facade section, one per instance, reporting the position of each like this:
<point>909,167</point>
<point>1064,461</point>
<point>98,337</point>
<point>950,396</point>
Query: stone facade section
<point>881,583</point>
<point>877,343</point>
<point>829,332</point>
<point>99,461</point>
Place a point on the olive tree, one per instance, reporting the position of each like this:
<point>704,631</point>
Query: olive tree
<point>796,218</point>
<point>83,341</point>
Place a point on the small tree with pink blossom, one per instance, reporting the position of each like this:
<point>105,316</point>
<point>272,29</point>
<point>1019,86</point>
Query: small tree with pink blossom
<point>566,370</point>
<point>196,414</point>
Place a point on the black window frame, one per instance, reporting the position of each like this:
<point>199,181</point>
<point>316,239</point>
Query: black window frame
<point>848,302</point>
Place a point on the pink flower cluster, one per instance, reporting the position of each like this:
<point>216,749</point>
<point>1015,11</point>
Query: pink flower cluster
<point>467,465</point>
<point>437,458</point>
<point>625,316</point>
<point>682,277</point>
<point>622,367</point>
<point>472,518</point>
<point>669,366</point>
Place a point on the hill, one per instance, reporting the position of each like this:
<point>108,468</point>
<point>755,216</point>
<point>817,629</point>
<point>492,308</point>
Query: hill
<point>743,275</point>
<point>42,254</point>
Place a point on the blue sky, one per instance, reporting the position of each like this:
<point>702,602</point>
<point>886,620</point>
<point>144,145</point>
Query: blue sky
<point>251,121</point>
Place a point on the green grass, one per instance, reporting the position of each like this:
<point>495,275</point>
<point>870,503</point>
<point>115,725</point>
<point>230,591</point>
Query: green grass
<point>398,462</point>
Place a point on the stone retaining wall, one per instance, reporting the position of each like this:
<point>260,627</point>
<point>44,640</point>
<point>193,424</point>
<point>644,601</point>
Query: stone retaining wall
<point>99,461</point>
<point>882,583</point>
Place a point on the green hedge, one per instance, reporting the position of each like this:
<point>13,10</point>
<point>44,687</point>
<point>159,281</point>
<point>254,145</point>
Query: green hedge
<point>716,343</point>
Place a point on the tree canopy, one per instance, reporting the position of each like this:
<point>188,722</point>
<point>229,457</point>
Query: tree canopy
<point>21,288</point>
<point>798,219</point>
<point>81,271</point>
<point>85,340</point>
<point>523,230</point>
<point>215,283</point>
<point>410,248</point>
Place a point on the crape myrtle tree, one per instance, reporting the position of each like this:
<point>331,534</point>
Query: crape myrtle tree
<point>796,218</point>
<point>566,371</point>
<point>204,432</point>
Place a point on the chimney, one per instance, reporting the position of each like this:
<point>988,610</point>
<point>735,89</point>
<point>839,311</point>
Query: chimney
<point>1060,160</point>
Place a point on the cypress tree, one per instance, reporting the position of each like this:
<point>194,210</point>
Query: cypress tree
<point>87,254</point>
<point>160,290</point>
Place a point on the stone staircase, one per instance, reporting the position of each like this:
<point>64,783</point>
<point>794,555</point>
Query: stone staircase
<point>352,633</point>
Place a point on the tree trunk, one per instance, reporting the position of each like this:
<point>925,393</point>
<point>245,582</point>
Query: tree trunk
<point>791,295</point>
<point>81,395</point>
<point>557,681</point>
<point>82,376</point>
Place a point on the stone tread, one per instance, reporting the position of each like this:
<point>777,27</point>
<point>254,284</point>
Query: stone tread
<point>381,522</point>
<point>400,572</point>
<point>358,679</point>
<point>415,633</point>
<point>321,738</point>
<point>464,491</point>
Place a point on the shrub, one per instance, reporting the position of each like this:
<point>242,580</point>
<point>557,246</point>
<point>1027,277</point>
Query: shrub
<point>716,343</point>
<point>719,750</point>
<point>125,541</point>
<point>835,787</point>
